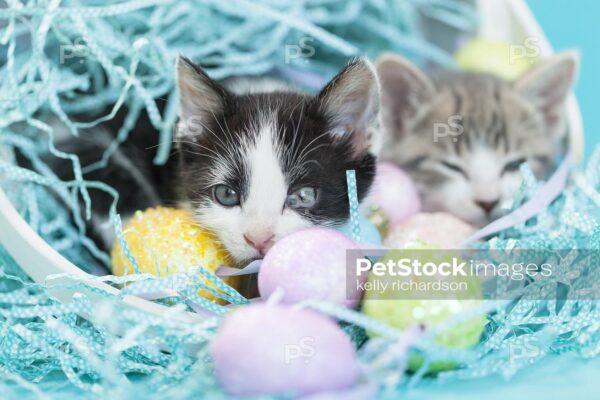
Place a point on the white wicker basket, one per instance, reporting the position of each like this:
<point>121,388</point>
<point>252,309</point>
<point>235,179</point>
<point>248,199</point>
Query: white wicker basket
<point>508,20</point>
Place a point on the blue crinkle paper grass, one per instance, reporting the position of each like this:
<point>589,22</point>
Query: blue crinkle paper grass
<point>76,57</point>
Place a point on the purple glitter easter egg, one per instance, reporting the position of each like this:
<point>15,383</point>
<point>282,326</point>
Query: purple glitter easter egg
<point>394,192</point>
<point>275,349</point>
<point>310,264</point>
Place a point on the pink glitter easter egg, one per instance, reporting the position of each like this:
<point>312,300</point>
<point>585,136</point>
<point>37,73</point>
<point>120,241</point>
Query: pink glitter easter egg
<point>310,264</point>
<point>440,229</point>
<point>275,349</point>
<point>393,192</point>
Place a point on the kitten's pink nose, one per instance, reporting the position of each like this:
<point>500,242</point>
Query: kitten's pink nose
<point>262,243</point>
<point>487,206</point>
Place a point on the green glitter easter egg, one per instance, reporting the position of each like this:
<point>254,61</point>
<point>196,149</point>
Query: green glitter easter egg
<point>428,302</point>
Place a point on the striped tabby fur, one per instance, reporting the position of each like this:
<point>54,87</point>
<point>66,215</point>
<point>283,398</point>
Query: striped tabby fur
<point>463,135</point>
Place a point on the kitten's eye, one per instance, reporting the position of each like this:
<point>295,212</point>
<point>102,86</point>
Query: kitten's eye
<point>226,196</point>
<point>454,167</point>
<point>305,197</point>
<point>513,165</point>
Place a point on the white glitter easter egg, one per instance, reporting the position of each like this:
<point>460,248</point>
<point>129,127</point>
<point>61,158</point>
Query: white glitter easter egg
<point>441,229</point>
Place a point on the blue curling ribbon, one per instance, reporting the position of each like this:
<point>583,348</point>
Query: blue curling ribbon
<point>353,202</point>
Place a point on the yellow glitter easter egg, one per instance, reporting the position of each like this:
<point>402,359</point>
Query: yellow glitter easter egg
<point>165,241</point>
<point>508,61</point>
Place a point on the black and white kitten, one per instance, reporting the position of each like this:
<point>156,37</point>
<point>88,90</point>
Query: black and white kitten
<point>254,160</point>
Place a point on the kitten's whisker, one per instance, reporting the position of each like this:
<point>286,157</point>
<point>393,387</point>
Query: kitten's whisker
<point>228,138</point>
<point>201,154</point>
<point>294,146</point>
<point>307,152</point>
<point>205,127</point>
<point>228,131</point>
<point>302,153</point>
<point>197,145</point>
<point>202,147</point>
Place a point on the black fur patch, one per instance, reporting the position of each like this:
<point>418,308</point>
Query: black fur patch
<point>302,132</point>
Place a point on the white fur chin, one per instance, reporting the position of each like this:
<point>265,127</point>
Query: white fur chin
<point>262,213</point>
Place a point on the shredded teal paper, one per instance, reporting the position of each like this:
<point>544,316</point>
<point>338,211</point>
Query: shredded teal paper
<point>58,59</point>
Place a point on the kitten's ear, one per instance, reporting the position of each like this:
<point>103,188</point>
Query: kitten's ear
<point>404,90</point>
<point>350,102</point>
<point>547,84</point>
<point>200,97</point>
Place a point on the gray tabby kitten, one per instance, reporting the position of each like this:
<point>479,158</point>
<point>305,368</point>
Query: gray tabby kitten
<point>463,135</point>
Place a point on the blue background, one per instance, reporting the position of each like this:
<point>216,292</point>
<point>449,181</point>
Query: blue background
<point>576,24</point>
